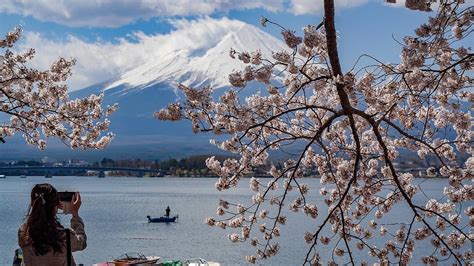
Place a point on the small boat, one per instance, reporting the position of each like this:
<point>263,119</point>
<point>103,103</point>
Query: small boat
<point>3,176</point>
<point>131,259</point>
<point>162,219</point>
<point>23,176</point>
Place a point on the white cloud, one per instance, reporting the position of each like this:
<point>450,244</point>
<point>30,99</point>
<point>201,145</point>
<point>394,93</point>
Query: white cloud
<point>113,13</point>
<point>301,7</point>
<point>100,61</point>
<point>116,13</point>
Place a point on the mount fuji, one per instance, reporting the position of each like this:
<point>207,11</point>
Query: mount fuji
<point>199,61</point>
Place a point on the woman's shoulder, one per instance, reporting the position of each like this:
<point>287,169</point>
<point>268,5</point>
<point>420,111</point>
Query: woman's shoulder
<point>22,228</point>
<point>22,237</point>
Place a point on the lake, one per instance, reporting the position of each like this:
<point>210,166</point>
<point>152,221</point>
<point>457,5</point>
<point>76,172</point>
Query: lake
<point>114,210</point>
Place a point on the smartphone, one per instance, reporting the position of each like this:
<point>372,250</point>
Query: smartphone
<point>65,198</point>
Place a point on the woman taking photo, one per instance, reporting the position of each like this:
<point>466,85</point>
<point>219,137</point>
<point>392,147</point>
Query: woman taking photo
<point>42,238</point>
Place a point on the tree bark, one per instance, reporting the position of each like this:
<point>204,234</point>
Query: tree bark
<point>331,43</point>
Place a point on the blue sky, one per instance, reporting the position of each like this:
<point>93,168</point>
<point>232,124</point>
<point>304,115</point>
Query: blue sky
<point>85,29</point>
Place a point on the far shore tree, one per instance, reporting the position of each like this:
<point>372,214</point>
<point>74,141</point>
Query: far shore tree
<point>36,103</point>
<point>352,127</point>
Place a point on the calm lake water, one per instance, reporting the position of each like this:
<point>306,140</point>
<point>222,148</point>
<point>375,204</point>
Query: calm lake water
<point>114,210</point>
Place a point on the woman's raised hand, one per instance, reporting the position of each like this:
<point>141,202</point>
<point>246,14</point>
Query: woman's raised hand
<point>76,204</point>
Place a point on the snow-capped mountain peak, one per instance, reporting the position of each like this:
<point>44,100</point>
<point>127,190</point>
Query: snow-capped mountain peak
<point>199,61</point>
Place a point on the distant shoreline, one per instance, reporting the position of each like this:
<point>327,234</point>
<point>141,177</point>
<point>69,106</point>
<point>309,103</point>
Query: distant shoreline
<point>170,177</point>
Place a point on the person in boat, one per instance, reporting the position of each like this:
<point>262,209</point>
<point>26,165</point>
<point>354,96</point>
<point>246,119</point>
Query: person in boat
<point>41,237</point>
<point>168,210</point>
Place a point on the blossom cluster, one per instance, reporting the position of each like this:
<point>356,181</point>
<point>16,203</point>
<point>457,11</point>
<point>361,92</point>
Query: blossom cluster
<point>38,106</point>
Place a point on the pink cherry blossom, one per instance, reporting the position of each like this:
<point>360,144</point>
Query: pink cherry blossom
<point>38,105</point>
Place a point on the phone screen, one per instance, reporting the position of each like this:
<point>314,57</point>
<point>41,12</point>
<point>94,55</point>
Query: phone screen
<point>65,198</point>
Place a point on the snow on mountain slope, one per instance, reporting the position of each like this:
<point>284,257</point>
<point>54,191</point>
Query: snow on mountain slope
<point>206,63</point>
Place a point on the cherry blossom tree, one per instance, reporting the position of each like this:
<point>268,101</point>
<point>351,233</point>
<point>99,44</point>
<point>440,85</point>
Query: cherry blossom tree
<point>36,103</point>
<point>353,127</point>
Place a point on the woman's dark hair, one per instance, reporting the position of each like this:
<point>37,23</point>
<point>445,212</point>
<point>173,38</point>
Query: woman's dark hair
<point>42,228</point>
